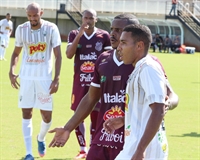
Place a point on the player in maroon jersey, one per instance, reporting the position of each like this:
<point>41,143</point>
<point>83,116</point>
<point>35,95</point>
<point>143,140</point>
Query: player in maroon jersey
<point>108,84</point>
<point>85,45</point>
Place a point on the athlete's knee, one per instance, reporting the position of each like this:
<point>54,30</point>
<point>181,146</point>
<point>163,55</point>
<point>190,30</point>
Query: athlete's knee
<point>27,113</point>
<point>46,116</point>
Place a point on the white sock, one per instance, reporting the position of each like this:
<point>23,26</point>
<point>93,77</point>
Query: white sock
<point>4,52</point>
<point>43,131</point>
<point>27,130</point>
<point>1,52</point>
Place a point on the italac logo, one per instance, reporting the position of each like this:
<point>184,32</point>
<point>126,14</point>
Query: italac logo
<point>92,56</point>
<point>39,47</point>
<point>116,98</point>
<point>114,112</point>
<point>87,67</point>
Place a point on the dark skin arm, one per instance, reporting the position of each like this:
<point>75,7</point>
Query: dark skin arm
<point>13,64</point>
<point>58,60</point>
<point>85,107</point>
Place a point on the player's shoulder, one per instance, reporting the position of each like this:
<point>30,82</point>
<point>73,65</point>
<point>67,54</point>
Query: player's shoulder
<point>48,23</point>
<point>24,25</point>
<point>74,31</point>
<point>107,53</point>
<point>101,31</point>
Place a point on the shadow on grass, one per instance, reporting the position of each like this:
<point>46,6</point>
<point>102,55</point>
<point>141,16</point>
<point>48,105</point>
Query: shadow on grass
<point>192,134</point>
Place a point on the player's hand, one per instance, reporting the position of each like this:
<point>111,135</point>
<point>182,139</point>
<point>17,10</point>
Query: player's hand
<point>83,28</point>
<point>110,125</point>
<point>167,104</point>
<point>54,86</point>
<point>13,80</point>
<point>60,138</point>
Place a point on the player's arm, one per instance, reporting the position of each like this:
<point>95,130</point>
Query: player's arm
<point>173,97</point>
<point>85,107</point>
<point>58,61</point>
<point>154,121</point>
<point>13,64</point>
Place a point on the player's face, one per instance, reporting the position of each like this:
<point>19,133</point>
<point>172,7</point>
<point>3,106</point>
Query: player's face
<point>8,17</point>
<point>116,31</point>
<point>34,16</point>
<point>128,49</point>
<point>89,19</point>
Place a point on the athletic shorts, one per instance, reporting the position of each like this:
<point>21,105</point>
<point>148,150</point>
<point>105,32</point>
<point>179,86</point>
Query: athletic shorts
<point>4,40</point>
<point>99,152</point>
<point>35,94</point>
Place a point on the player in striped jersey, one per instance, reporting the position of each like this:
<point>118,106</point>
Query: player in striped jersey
<point>40,40</point>
<point>6,27</point>
<point>146,91</point>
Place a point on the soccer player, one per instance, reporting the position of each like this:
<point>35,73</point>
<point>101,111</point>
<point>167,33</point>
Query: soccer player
<point>108,84</point>
<point>6,27</point>
<point>85,44</point>
<point>145,98</point>
<point>38,38</point>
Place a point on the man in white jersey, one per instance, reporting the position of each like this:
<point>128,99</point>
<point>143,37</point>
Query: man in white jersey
<point>146,90</point>
<point>6,27</point>
<point>38,38</point>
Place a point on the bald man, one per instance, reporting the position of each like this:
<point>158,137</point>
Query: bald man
<point>39,40</point>
<point>85,44</point>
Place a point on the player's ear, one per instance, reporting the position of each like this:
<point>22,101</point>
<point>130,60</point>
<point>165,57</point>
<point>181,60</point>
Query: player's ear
<point>96,20</point>
<point>41,12</point>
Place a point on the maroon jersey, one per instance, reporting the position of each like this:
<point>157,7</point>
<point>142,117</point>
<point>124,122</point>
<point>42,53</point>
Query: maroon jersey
<point>111,76</point>
<point>88,50</point>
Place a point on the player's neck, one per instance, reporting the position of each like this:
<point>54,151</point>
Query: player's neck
<point>89,31</point>
<point>38,26</point>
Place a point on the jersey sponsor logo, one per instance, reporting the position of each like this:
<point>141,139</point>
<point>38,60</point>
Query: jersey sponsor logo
<point>118,137</point>
<point>39,47</point>
<point>44,98</point>
<point>7,28</point>
<point>117,98</point>
<point>35,61</point>
<point>103,79</point>
<point>88,46</point>
<point>86,77</point>
<point>116,78</point>
<point>91,56</point>
<point>126,102</point>
<point>99,46</point>
<point>114,112</point>
<point>87,67</point>
<point>127,130</point>
<point>73,99</point>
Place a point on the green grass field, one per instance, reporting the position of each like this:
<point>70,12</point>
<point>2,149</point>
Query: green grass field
<point>182,123</point>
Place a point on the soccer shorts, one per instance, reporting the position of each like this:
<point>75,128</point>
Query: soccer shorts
<point>4,40</point>
<point>35,94</point>
<point>102,152</point>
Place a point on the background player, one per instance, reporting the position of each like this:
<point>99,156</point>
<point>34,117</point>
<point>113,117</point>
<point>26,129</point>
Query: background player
<point>85,45</point>
<point>6,27</point>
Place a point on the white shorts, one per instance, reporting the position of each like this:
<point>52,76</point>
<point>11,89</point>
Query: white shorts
<point>4,40</point>
<point>35,94</point>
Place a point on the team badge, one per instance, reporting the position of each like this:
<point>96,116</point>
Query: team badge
<point>99,46</point>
